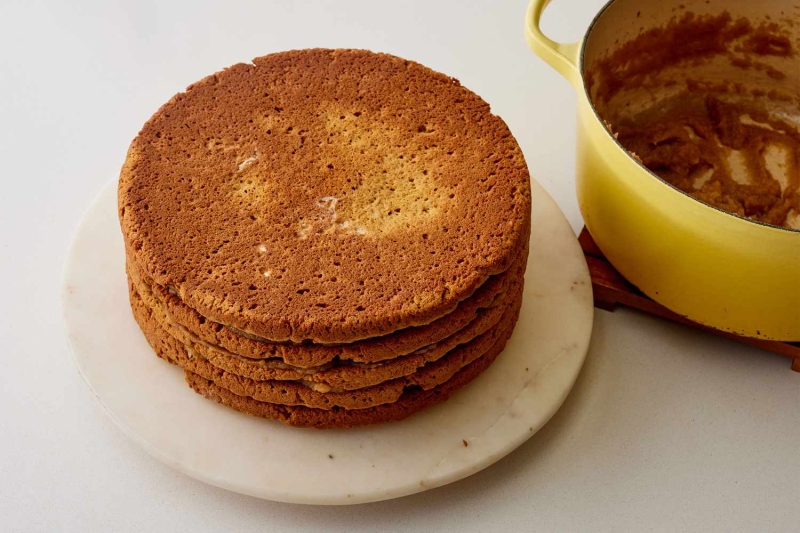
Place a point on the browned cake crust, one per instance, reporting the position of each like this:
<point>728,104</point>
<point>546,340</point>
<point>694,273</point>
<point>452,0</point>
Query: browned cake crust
<point>324,195</point>
<point>298,392</point>
<point>190,327</point>
<point>344,375</point>
<point>409,402</point>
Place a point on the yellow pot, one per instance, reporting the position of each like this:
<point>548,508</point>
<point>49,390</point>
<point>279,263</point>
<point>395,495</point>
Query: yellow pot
<point>715,268</point>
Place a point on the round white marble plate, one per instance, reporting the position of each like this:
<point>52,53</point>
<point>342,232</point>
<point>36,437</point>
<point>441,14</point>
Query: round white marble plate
<point>497,412</point>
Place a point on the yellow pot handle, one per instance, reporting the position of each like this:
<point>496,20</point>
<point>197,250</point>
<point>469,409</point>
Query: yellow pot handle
<point>562,57</point>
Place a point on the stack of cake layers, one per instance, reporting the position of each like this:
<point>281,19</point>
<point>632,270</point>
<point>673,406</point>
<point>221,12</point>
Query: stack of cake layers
<point>328,238</point>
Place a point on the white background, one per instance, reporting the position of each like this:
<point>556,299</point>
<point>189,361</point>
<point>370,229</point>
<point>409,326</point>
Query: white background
<point>667,428</point>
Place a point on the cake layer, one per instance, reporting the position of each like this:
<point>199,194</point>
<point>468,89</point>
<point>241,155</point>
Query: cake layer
<point>409,402</point>
<point>190,327</point>
<point>324,195</point>
<point>299,392</point>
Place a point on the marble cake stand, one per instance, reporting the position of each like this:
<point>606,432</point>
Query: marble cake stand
<point>496,413</point>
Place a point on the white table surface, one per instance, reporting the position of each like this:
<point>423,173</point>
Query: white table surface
<point>667,429</point>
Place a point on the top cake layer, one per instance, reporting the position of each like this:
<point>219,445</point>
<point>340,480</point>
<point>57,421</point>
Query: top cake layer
<point>324,195</point>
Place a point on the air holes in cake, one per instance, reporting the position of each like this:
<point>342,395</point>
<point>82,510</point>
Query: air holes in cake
<point>303,291</point>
